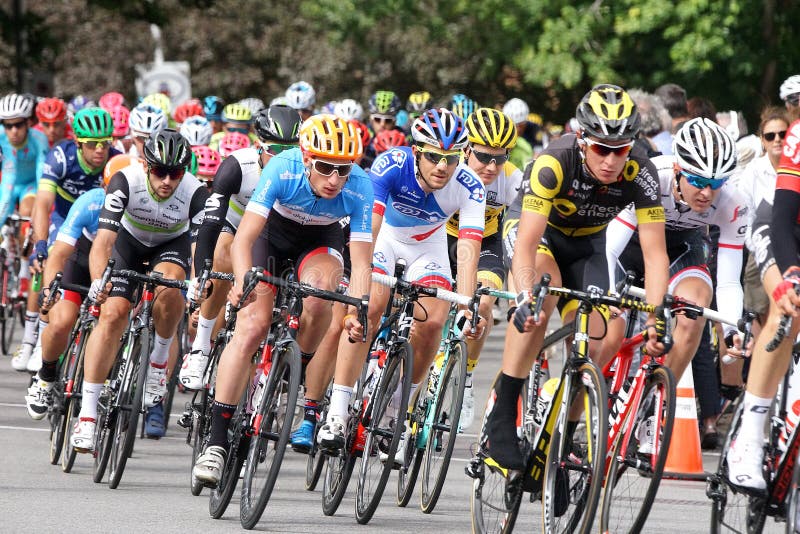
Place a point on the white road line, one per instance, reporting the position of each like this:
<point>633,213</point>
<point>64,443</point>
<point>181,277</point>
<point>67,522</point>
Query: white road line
<point>12,404</point>
<point>4,427</point>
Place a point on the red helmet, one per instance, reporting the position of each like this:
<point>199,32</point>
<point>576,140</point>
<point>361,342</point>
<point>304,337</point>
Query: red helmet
<point>51,110</point>
<point>208,160</point>
<point>190,108</point>
<point>111,100</point>
<point>388,139</point>
<point>120,114</point>
<point>232,141</point>
<point>363,130</point>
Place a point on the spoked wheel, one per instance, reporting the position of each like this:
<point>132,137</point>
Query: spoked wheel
<point>496,497</point>
<point>239,445</point>
<point>409,471</point>
<point>58,421</point>
<point>271,429</point>
<point>383,433</point>
<point>70,418</point>
<point>6,317</point>
<point>130,404</point>
<point>73,367</point>
<point>199,434</point>
<point>638,455</point>
<point>315,463</point>
<point>793,503</point>
<point>104,433</point>
<point>339,469</point>
<point>444,428</point>
<point>574,467</point>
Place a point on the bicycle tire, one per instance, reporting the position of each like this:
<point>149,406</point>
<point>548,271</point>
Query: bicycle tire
<point>5,339</point>
<point>103,432</point>
<point>221,496</point>
<point>409,471</point>
<point>397,372</point>
<point>629,490</point>
<point>16,308</point>
<point>315,463</point>
<point>172,383</point>
<point>793,502</point>
<point>495,500</point>
<point>130,404</point>
<point>447,413</point>
<point>339,469</point>
<point>270,433</point>
<point>199,434</point>
<point>69,455</point>
<point>566,471</point>
<point>58,421</point>
<point>68,366</point>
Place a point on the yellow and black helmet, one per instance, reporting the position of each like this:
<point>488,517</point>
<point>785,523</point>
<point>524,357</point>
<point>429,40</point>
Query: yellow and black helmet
<point>490,127</point>
<point>609,113</point>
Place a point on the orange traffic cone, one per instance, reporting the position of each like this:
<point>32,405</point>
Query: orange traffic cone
<point>685,459</point>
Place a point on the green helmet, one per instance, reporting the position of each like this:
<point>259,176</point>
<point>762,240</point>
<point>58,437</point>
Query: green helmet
<point>92,123</point>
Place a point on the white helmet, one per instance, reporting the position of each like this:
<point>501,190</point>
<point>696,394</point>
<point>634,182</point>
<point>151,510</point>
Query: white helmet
<point>300,95</point>
<point>279,101</point>
<point>253,104</point>
<point>348,109</point>
<point>147,119</point>
<point>517,110</point>
<point>14,106</point>
<point>197,130</point>
<point>704,148</point>
<point>790,86</point>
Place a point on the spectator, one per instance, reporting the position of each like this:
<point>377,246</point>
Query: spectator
<point>522,153</point>
<point>673,97</point>
<point>747,146</point>
<point>701,107</point>
<point>655,122</point>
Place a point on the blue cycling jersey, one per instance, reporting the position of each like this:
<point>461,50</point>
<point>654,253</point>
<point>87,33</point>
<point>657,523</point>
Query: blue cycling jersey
<point>22,168</point>
<point>284,187</point>
<point>83,217</point>
<point>64,175</point>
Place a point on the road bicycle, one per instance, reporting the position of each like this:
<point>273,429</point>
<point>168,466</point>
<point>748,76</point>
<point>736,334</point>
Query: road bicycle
<point>13,300</point>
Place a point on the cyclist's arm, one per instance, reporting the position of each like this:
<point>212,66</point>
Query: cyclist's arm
<point>733,224</point>
<point>227,182</point>
<point>241,249</point>
<point>471,223</point>
<point>116,200</point>
<point>618,234</point>
<point>59,254</point>
<point>782,229</point>
<point>52,171</point>
<point>656,261</point>
<point>537,201</point>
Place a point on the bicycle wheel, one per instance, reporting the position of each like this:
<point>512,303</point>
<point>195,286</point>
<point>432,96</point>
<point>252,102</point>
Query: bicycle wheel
<point>104,431</point>
<point>239,445</point>
<point>74,408</point>
<point>69,370</point>
<point>129,402</point>
<point>793,503</point>
<point>172,382</point>
<point>56,415</point>
<point>271,428</point>
<point>315,463</point>
<point>409,471</point>
<point>495,499</point>
<point>634,475</point>
<point>199,434</point>
<point>442,433</point>
<point>340,468</point>
<point>573,475</point>
<point>383,430</point>
<point>5,338</point>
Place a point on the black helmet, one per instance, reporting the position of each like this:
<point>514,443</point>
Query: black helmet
<point>278,123</point>
<point>609,113</point>
<point>168,149</point>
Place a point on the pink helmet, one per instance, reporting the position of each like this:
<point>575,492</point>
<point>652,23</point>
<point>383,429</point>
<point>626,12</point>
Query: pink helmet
<point>208,160</point>
<point>111,100</point>
<point>120,114</point>
<point>232,141</point>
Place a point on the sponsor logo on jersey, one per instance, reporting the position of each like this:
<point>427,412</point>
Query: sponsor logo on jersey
<point>419,213</point>
<point>115,201</point>
<point>214,202</point>
<point>388,160</point>
<point>738,212</point>
<point>379,257</point>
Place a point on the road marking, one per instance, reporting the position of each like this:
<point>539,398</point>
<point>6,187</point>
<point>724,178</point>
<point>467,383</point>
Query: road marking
<point>4,427</point>
<point>12,404</point>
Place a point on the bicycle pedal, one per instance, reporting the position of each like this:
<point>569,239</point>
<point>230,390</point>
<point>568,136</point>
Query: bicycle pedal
<point>185,421</point>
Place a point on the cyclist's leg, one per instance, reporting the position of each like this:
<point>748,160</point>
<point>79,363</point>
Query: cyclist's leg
<point>322,268</point>
<point>693,284</point>
<point>210,308</point>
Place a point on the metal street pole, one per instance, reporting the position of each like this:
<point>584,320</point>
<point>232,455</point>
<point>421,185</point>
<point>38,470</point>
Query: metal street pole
<point>18,43</point>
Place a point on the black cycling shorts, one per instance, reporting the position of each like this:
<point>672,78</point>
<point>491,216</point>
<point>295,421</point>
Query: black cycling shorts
<point>76,268</point>
<point>686,250</point>
<point>490,264</point>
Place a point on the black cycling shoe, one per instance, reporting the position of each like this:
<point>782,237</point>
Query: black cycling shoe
<point>504,445</point>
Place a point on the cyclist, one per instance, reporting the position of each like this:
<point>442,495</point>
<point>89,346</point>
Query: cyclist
<point>190,108</point>
<point>492,136</point>
<point>383,109</point>
<point>746,454</point>
<point>694,195</point>
<point>417,189</point>
<point>417,104</point>
<point>277,128</point>
<point>388,139</point>
<point>159,101</point>
<point>462,105</point>
<point>144,121</point>
<point>208,162</point>
<point>235,119</point>
<point>52,115</point>
<point>212,108</point>
<point>111,100</point>
<point>70,255</point>
<point>301,197</point>
<point>302,97</point>
<point>349,110</point>
<point>122,129</point>
<point>147,217</point>
<point>231,142</point>
<point>518,110</point>
<point>588,178</point>
<point>197,130</point>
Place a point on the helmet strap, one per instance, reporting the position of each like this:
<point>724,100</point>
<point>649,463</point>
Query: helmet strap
<point>419,173</point>
<point>681,205</point>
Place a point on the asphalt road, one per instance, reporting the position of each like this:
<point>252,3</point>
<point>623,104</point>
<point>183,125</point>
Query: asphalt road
<point>154,493</point>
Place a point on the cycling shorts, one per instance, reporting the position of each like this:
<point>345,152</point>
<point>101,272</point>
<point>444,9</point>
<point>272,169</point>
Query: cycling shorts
<point>490,263</point>
<point>427,262</point>
<point>130,253</point>
<point>76,270</point>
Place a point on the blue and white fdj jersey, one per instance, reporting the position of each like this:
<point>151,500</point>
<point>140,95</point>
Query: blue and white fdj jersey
<point>414,215</point>
<point>284,187</point>
<point>83,217</point>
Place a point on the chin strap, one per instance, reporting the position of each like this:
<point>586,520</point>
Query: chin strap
<point>419,174</point>
<point>680,204</point>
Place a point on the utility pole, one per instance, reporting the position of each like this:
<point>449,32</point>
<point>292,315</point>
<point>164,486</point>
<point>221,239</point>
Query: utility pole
<point>19,43</point>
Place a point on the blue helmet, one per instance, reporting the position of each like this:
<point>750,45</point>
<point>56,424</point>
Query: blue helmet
<point>462,105</point>
<point>212,107</point>
<point>441,128</point>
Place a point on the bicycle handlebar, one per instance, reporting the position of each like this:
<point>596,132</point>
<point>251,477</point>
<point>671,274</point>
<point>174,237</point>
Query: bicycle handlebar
<point>436,292</point>
<point>679,303</point>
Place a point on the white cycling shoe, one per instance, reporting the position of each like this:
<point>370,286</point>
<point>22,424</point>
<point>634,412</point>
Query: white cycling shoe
<point>20,360</point>
<point>745,460</point>
<point>156,386</point>
<point>193,370</point>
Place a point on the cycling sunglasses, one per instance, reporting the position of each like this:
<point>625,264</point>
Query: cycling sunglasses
<point>436,157</point>
<point>488,159</point>
<point>15,125</point>
<point>794,99</point>
<point>383,119</point>
<point>604,150</point>
<point>770,136</point>
<point>701,182</point>
<point>327,169</point>
<point>276,148</point>
<point>238,130</point>
<point>162,172</point>
<point>93,144</point>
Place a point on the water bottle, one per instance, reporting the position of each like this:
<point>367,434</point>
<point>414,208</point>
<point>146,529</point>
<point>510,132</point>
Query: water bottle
<point>37,282</point>
<point>373,365</point>
<point>435,371</point>
<point>545,397</point>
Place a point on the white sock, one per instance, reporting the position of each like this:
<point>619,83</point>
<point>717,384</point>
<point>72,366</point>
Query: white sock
<point>160,354</point>
<point>202,340</point>
<point>468,381</point>
<point>340,400</point>
<point>754,417</point>
<point>42,326</point>
<point>31,322</point>
<point>23,269</point>
<point>91,394</point>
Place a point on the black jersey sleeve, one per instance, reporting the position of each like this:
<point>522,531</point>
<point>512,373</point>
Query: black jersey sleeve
<point>783,228</point>
<point>227,182</point>
<point>117,196</point>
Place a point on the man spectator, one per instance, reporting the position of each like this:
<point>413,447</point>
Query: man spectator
<point>673,97</point>
<point>655,121</point>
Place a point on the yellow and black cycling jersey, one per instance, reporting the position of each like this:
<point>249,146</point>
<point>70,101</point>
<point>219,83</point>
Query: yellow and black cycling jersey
<point>558,186</point>
<point>499,194</point>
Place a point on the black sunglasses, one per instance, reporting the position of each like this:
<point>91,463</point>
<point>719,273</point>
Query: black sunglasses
<point>163,172</point>
<point>487,159</point>
<point>15,125</point>
<point>770,136</point>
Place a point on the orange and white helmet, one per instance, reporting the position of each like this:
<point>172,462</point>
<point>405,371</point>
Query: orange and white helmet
<point>116,164</point>
<point>329,136</point>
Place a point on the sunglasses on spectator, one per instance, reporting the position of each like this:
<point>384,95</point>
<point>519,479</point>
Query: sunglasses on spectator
<point>13,125</point>
<point>488,159</point>
<point>93,144</point>
<point>436,157</point>
<point>162,172</point>
<point>604,150</point>
<point>770,136</point>
<point>701,182</point>
<point>276,148</point>
<point>327,169</point>
<point>383,119</point>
